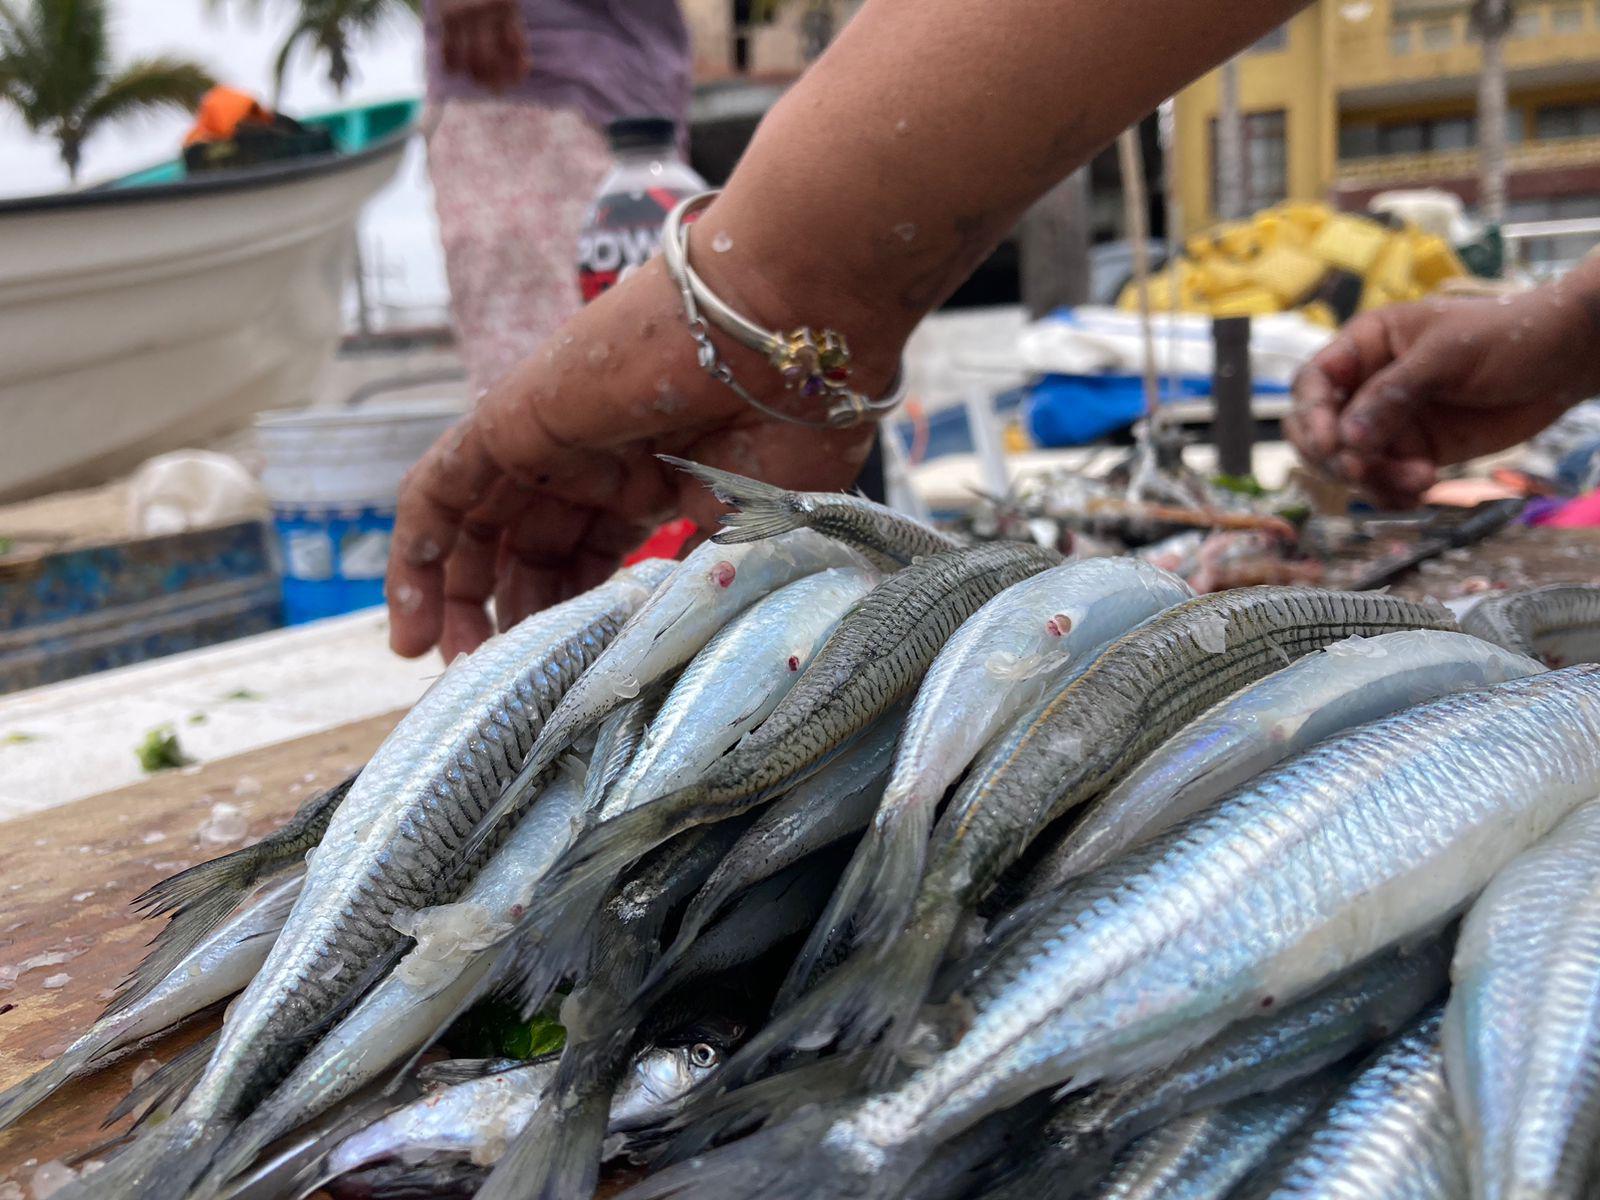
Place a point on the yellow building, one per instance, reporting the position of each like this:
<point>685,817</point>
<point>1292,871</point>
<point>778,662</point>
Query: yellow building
<point>1355,97</point>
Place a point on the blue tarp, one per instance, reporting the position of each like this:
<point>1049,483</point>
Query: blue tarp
<point>1074,410</point>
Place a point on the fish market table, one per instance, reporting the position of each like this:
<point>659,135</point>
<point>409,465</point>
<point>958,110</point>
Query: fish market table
<point>67,935</point>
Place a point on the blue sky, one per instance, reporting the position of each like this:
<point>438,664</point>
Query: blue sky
<point>239,45</point>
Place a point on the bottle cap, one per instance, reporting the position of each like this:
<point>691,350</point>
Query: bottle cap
<point>634,133</point>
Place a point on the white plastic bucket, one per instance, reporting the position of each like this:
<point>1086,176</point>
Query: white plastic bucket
<point>332,477</point>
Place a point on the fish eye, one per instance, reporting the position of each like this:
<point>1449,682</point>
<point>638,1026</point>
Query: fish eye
<point>703,1054</point>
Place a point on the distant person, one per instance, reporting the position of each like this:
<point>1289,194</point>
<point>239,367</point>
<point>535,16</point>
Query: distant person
<point>522,91</point>
<point>878,182</point>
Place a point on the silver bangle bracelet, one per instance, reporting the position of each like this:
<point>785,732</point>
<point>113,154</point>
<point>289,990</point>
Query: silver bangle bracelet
<point>814,364</point>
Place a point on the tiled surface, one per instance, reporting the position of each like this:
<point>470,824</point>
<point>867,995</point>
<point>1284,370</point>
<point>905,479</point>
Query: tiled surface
<point>78,738</point>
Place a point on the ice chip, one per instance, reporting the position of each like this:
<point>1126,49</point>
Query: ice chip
<point>50,1177</point>
<point>53,982</point>
<point>226,825</point>
<point>1211,633</point>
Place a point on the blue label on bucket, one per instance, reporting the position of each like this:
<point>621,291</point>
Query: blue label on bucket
<point>332,560</point>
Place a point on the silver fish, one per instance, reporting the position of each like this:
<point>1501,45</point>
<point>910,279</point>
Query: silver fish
<point>450,960</point>
<point>616,741</point>
<point>1368,839</point>
<point>1204,1155</point>
<point>731,685</point>
<point>1390,1134</point>
<point>390,846</point>
<point>1349,683</point>
<point>1062,753</point>
<point>1560,622</point>
<point>477,1120</point>
<point>1001,661</point>
<point>218,966</point>
<point>888,538</point>
<point>1522,1028</point>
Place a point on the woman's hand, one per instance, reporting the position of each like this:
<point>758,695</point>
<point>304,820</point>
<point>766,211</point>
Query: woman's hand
<point>1405,390</point>
<point>540,491</point>
<point>484,40</point>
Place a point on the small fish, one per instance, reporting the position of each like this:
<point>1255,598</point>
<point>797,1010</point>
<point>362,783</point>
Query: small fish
<point>1062,753</point>
<point>1390,1134</point>
<point>477,1120</point>
<point>215,968</point>
<point>1001,661</point>
<point>449,962</point>
<point>1349,683</point>
<point>1522,1028</point>
<point>1204,1155</point>
<point>1372,838</point>
<point>731,685</point>
<point>1560,623</point>
<point>889,539</point>
<point>391,845</point>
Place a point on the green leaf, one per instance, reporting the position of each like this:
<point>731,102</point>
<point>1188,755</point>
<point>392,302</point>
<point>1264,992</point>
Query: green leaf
<point>6,545</point>
<point>495,1029</point>
<point>19,738</point>
<point>1242,485</point>
<point>197,718</point>
<point>160,750</point>
<point>243,694</point>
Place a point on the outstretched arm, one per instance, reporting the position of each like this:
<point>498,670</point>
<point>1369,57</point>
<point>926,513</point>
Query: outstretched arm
<point>872,189</point>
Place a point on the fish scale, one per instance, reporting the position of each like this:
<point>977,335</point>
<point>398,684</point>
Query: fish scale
<point>385,849</point>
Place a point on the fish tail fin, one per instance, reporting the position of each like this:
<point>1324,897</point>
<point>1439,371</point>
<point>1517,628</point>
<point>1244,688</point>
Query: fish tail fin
<point>23,1097</point>
<point>716,1116</point>
<point>187,928</point>
<point>870,993</point>
<point>556,1156</point>
<point>795,1160</point>
<point>761,510</point>
<point>160,1164</point>
<point>874,899</point>
<point>231,875</point>
<point>168,1086</point>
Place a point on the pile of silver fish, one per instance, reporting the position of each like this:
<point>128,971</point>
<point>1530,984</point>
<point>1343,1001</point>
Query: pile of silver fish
<point>856,862</point>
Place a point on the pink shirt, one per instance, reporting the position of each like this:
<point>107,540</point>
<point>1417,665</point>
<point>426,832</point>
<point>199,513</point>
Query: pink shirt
<point>605,58</point>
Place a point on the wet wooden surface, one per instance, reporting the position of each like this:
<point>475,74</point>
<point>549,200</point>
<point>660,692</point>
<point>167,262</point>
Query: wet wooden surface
<point>66,877</point>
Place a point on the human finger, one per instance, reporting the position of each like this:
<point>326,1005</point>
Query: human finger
<point>435,497</point>
<point>469,576</point>
<point>538,553</point>
<point>1312,423</point>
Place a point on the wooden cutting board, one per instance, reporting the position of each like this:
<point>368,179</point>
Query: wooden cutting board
<point>66,877</point>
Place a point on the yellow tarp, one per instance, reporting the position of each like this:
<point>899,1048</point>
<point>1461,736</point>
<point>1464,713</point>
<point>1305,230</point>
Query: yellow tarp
<point>1298,256</point>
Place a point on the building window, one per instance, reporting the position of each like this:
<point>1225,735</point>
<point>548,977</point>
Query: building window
<point>1266,161</point>
<point>1527,22</point>
<point>1400,41</point>
<point>1373,139</point>
<point>1566,20</point>
<point>1567,121</point>
<point>1277,40</point>
<point>1438,35</point>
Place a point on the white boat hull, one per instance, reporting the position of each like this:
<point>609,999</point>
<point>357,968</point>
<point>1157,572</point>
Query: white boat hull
<point>138,320</point>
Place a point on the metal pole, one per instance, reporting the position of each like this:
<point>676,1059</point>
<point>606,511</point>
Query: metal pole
<point>1232,423</point>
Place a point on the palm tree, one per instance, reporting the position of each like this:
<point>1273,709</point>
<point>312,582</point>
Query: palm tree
<point>329,26</point>
<point>1492,20</point>
<point>55,70</point>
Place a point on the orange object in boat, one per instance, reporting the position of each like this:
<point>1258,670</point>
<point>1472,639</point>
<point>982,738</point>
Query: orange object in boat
<point>222,110</point>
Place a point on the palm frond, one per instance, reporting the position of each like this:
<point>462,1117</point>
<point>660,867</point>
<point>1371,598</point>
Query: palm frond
<point>146,84</point>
